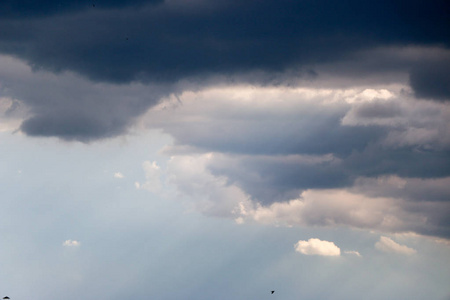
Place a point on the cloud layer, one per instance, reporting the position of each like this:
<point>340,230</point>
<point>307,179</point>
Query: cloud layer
<point>188,46</point>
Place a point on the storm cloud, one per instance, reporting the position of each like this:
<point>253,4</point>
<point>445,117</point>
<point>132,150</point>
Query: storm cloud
<point>168,41</point>
<point>172,40</point>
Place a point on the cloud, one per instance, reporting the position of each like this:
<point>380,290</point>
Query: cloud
<point>153,174</point>
<point>207,193</point>
<point>307,137</point>
<point>231,36</point>
<point>11,114</point>
<point>71,243</point>
<point>271,105</point>
<point>261,43</point>
<point>353,253</point>
<point>118,175</point>
<point>386,244</point>
<point>290,156</point>
<point>317,247</point>
<point>22,9</point>
<point>431,79</point>
<point>217,196</point>
<point>70,107</point>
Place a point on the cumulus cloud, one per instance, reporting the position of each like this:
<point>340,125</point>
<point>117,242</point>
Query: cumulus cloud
<point>317,247</point>
<point>386,244</point>
<point>217,196</point>
<point>291,155</point>
<point>71,243</point>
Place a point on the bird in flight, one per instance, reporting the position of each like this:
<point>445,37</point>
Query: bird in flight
<point>272,292</point>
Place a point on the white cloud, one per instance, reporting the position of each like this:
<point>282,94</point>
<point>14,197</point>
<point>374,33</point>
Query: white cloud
<point>152,177</point>
<point>118,175</point>
<point>353,253</point>
<point>386,244</point>
<point>317,247</point>
<point>329,208</point>
<point>209,194</point>
<point>71,243</point>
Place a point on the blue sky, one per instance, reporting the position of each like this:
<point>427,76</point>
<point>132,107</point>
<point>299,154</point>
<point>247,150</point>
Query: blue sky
<point>135,243</point>
<point>222,150</point>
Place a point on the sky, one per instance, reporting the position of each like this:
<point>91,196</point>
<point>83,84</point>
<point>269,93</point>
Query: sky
<point>170,149</point>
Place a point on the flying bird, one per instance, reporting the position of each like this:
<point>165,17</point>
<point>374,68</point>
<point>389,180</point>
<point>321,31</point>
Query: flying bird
<point>272,292</point>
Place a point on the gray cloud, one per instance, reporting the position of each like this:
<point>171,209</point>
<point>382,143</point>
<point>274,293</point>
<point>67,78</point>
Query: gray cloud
<point>432,80</point>
<point>274,151</point>
<point>277,144</point>
<point>414,189</point>
<point>71,107</point>
<point>263,42</point>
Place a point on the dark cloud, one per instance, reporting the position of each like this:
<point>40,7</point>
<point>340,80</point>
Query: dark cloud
<point>164,42</point>
<point>19,9</point>
<point>70,107</point>
<point>310,132</point>
<point>414,189</point>
<point>432,80</point>
<point>377,109</point>
<point>168,42</point>
<point>273,179</point>
<point>70,126</point>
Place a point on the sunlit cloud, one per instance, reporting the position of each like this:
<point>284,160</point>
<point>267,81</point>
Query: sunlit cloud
<point>317,247</point>
<point>386,244</point>
<point>351,252</point>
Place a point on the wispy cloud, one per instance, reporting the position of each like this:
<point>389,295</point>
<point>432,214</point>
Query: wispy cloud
<point>386,244</point>
<point>353,253</point>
